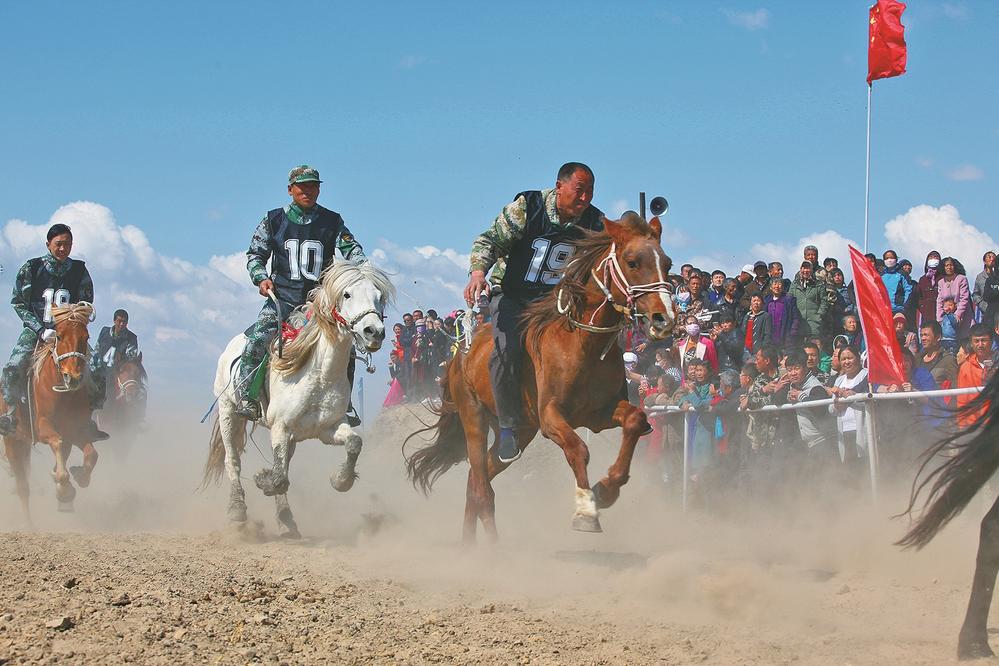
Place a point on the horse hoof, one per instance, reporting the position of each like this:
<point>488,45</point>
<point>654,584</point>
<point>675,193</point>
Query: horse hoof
<point>290,533</point>
<point>264,480</point>
<point>584,523</point>
<point>604,496</point>
<point>343,481</point>
<point>237,514</point>
<point>81,475</point>
<point>974,649</point>
<point>65,506</point>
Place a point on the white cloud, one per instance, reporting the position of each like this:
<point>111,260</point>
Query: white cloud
<point>954,11</point>
<point>233,266</point>
<point>966,172</point>
<point>923,228</point>
<point>618,208</point>
<point>924,162</point>
<point>830,243</point>
<point>753,20</point>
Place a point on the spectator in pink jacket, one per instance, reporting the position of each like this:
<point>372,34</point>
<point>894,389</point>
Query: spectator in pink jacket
<point>953,284</point>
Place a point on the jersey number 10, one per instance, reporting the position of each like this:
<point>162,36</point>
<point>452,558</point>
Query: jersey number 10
<point>305,261</point>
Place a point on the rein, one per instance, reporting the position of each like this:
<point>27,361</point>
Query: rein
<point>348,325</point>
<point>58,358</point>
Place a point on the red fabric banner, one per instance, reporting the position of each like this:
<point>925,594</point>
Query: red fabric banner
<point>886,44</point>
<point>884,354</point>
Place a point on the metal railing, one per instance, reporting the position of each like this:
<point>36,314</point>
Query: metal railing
<point>869,422</point>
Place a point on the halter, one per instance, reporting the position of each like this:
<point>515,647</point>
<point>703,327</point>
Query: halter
<point>59,358</point>
<point>348,325</point>
<point>123,386</point>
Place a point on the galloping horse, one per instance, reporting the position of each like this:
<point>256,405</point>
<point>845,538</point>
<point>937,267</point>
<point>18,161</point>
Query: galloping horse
<point>308,390</point>
<point>126,402</point>
<point>573,377</point>
<point>971,459</point>
<point>58,411</point>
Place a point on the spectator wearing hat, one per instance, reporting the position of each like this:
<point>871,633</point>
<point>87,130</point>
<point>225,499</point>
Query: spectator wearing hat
<point>906,338</point>
<point>895,281</point>
<point>746,286</point>
<point>761,276</point>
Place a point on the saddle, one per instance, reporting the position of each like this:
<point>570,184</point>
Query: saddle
<point>289,331</point>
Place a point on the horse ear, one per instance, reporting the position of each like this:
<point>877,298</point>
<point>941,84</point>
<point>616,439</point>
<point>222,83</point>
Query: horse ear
<point>657,227</point>
<point>614,229</point>
<point>139,357</point>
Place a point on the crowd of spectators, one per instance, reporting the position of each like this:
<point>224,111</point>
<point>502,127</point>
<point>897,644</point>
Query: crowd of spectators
<point>761,338</point>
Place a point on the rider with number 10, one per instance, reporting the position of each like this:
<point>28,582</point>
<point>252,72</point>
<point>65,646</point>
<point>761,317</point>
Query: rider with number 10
<point>529,244</point>
<point>52,280</point>
<point>300,240</point>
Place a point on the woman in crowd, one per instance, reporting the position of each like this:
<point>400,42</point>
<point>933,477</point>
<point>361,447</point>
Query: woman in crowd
<point>924,295</point>
<point>851,380</point>
<point>954,284</point>
<point>694,345</point>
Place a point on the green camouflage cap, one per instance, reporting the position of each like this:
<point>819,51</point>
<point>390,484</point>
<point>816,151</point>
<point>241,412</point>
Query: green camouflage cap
<point>303,174</point>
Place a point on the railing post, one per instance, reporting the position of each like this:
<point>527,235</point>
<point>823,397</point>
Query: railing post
<point>686,456</point>
<point>872,445</point>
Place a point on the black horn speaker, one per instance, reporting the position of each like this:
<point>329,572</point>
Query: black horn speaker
<point>658,206</point>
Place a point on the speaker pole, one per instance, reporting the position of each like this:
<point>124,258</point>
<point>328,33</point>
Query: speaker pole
<point>641,204</point>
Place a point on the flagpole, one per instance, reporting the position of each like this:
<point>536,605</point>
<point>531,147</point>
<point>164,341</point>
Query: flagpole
<point>867,179</point>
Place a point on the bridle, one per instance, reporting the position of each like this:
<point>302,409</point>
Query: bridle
<point>610,270</point>
<point>58,358</point>
<point>348,325</point>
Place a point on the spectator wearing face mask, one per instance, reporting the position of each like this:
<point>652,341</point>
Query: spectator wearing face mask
<point>694,345</point>
<point>925,293</point>
<point>899,288</point>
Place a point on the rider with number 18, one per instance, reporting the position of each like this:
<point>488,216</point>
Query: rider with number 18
<point>52,280</point>
<point>299,240</point>
<point>528,245</point>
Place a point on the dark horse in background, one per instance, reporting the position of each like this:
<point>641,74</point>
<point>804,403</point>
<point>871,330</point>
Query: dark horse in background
<point>573,375</point>
<point>125,405</point>
<point>971,458</point>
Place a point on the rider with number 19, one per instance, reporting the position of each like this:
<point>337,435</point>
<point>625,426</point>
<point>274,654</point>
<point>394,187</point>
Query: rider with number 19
<point>299,240</point>
<point>52,280</point>
<point>529,244</point>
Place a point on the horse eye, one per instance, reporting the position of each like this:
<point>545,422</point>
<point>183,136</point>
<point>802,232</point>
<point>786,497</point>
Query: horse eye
<point>632,264</point>
<point>346,295</point>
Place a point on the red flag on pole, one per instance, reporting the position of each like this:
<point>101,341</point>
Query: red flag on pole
<point>884,354</point>
<point>886,45</point>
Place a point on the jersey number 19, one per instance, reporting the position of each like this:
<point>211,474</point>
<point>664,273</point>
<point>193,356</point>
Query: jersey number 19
<point>548,261</point>
<point>53,297</point>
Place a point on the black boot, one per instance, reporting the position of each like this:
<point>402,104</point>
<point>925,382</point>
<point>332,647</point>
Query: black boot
<point>8,421</point>
<point>248,409</point>
<point>353,420</point>
<point>96,434</point>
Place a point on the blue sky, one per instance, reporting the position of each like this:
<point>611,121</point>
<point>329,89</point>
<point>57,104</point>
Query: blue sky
<point>183,118</point>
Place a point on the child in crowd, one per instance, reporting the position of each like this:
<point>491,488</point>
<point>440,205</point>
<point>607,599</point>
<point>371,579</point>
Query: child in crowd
<point>948,324</point>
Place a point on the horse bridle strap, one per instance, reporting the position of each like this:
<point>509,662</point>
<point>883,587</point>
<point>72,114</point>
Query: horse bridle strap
<point>362,351</point>
<point>58,358</point>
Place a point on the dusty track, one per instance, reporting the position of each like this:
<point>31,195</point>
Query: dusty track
<point>380,577</point>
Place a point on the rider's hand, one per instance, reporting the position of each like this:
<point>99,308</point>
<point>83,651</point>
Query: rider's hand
<point>264,287</point>
<point>48,334</point>
<point>476,286</point>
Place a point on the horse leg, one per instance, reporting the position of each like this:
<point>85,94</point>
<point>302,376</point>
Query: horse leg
<point>287,527</point>
<point>19,456</point>
<point>274,481</point>
<point>633,422</point>
<point>555,427</point>
<point>480,500</point>
<point>232,429</point>
<point>65,492</point>
<point>81,474</point>
<point>973,641</point>
<point>344,479</point>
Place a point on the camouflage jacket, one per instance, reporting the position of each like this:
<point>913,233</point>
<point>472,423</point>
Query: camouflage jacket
<point>21,299</point>
<point>490,248</point>
<point>260,245</point>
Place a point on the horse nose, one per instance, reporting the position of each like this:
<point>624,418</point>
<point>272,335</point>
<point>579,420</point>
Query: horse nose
<point>659,323</point>
<point>378,333</point>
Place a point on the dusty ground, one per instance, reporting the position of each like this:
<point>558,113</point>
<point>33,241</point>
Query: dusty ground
<point>147,571</point>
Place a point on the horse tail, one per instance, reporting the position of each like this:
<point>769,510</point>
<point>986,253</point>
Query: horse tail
<point>215,465</point>
<point>972,458</point>
<point>448,447</point>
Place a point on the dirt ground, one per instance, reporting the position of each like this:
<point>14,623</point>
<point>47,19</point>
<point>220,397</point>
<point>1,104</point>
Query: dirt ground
<point>147,570</point>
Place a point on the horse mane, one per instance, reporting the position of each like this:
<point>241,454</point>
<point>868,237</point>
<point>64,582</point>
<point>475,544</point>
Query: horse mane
<point>589,250</point>
<point>336,279</point>
<point>81,313</point>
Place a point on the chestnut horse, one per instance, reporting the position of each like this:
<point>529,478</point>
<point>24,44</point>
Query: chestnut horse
<point>58,411</point>
<point>126,402</point>
<point>573,375</point>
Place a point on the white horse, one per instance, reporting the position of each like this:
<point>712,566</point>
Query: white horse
<point>307,388</point>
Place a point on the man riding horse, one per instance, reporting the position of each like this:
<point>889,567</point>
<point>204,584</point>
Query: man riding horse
<point>532,238</point>
<point>115,345</point>
<point>52,280</point>
<point>300,239</point>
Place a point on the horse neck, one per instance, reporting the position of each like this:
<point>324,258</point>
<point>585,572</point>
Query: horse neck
<point>332,352</point>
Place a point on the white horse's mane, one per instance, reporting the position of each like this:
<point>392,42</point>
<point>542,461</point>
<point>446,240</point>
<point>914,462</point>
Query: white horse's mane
<point>322,301</point>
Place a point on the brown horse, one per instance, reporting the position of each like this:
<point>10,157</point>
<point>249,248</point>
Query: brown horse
<point>126,402</point>
<point>58,410</point>
<point>573,374</point>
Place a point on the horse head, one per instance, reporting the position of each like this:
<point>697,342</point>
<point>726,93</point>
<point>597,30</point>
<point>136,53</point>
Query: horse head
<point>637,271</point>
<point>130,378</point>
<point>69,349</point>
<point>355,297</point>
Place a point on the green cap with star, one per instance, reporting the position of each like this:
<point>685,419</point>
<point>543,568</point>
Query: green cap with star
<point>303,174</point>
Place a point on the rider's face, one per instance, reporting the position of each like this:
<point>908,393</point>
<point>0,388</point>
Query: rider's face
<point>573,195</point>
<point>119,324</point>
<point>304,194</point>
<point>60,246</point>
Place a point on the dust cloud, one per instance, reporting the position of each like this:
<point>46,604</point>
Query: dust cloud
<point>809,575</point>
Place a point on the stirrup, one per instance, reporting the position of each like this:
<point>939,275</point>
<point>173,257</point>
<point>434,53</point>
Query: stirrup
<point>507,450</point>
<point>353,420</point>
<point>248,409</point>
<point>8,423</point>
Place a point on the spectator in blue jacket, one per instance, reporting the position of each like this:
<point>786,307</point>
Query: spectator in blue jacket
<point>896,282</point>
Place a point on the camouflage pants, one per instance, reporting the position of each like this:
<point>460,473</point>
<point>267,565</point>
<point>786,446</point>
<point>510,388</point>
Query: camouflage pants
<point>14,380</point>
<point>259,337</point>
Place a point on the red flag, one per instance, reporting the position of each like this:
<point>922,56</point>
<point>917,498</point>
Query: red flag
<point>886,46</point>
<point>884,354</point>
